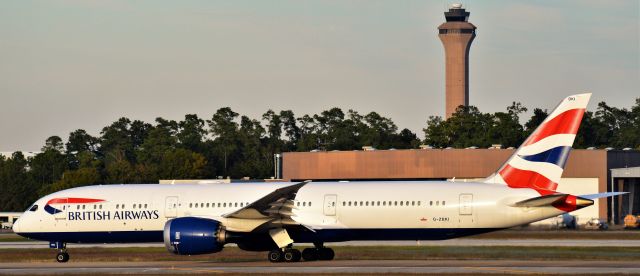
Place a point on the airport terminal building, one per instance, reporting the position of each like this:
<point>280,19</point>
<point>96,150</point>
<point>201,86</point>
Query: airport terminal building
<point>586,172</point>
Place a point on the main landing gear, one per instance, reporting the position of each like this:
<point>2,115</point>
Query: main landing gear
<point>318,253</point>
<point>62,256</point>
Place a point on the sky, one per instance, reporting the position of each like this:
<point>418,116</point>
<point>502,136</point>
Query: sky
<point>82,64</point>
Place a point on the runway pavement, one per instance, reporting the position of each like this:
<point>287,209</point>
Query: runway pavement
<point>453,242</point>
<point>340,266</point>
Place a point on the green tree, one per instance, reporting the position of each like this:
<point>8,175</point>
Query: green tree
<point>309,134</point>
<point>191,132</point>
<point>88,173</point>
<point>224,129</point>
<point>79,141</point>
<point>18,191</point>
<point>291,129</point>
<point>536,119</point>
<point>48,166</point>
<point>182,164</point>
<point>53,143</point>
<point>435,134</point>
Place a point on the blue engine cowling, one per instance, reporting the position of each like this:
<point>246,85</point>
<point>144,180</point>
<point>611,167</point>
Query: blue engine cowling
<point>193,236</point>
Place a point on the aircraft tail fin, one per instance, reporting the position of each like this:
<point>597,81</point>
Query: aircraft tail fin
<point>539,162</point>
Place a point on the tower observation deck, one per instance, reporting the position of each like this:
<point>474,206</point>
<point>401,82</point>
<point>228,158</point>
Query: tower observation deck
<point>456,35</point>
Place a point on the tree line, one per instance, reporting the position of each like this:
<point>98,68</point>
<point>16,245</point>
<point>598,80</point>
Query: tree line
<point>230,145</point>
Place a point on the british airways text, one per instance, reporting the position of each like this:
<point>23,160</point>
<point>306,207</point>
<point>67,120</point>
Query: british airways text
<point>116,215</point>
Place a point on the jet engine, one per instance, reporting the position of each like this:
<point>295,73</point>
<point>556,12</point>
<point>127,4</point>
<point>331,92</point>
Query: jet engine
<point>193,236</point>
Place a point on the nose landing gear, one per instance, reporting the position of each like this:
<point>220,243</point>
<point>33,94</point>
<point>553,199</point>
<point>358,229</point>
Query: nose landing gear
<point>62,256</point>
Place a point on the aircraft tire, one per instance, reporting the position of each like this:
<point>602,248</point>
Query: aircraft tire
<point>292,255</point>
<point>276,256</point>
<point>326,254</point>
<point>310,254</point>
<point>62,257</point>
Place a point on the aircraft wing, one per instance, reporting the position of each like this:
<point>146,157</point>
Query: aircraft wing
<point>277,204</point>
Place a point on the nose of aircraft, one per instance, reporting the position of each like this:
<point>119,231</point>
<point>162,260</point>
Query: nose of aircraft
<point>16,226</point>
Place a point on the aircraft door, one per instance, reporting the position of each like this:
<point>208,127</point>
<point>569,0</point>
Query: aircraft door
<point>330,205</point>
<point>329,209</point>
<point>466,204</point>
<point>62,207</point>
<point>466,216</point>
<point>171,207</point>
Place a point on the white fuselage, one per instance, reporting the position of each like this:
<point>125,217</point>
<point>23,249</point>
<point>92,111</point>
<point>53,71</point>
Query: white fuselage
<point>322,206</point>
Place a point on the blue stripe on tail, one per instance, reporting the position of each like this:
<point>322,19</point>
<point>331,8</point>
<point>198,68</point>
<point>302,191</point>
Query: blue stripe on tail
<point>557,155</point>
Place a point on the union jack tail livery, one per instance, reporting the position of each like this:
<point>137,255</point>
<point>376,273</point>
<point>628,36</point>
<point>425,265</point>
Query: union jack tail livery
<point>539,161</point>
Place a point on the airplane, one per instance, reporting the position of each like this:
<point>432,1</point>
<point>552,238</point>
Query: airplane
<point>199,218</point>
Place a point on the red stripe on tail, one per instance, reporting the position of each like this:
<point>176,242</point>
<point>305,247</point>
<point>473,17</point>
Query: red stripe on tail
<point>517,178</point>
<point>567,122</point>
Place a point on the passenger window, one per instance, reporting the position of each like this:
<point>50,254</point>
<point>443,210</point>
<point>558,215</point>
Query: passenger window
<point>145,205</point>
<point>190,205</point>
<point>413,203</point>
<point>406,203</point>
<point>218,204</point>
<point>224,205</point>
<point>310,203</point>
<point>430,203</point>
<point>134,206</point>
<point>437,203</point>
<point>349,203</point>
<point>344,203</point>
<point>443,203</point>
<point>33,208</point>
<point>117,206</point>
<point>207,205</point>
<point>304,204</point>
<point>384,203</point>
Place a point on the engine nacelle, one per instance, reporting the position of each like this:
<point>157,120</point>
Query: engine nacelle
<point>192,236</point>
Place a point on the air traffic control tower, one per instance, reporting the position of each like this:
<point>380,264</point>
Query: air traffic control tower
<point>456,35</point>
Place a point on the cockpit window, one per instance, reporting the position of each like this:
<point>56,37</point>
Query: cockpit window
<point>33,208</point>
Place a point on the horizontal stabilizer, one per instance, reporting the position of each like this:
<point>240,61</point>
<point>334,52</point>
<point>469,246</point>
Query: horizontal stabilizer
<point>540,201</point>
<point>601,195</point>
